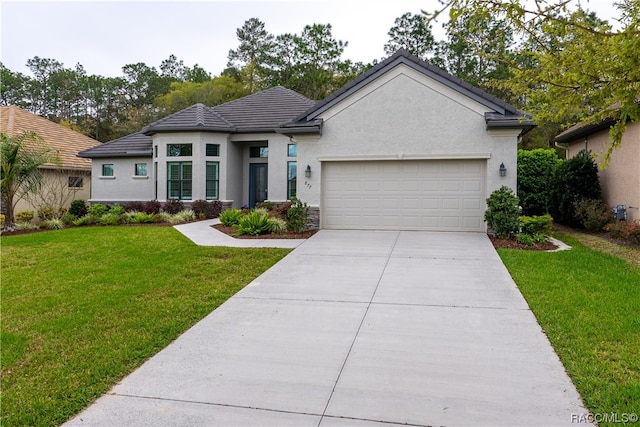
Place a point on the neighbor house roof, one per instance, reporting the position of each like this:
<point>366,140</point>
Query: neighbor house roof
<point>502,115</point>
<point>581,130</point>
<point>66,142</point>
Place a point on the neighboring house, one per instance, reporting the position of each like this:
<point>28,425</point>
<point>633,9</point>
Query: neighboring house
<point>63,182</point>
<point>620,181</point>
<point>404,146</point>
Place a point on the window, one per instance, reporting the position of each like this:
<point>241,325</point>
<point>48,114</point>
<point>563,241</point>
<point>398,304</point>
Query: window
<point>292,150</point>
<point>75,182</point>
<point>211,191</point>
<point>259,152</point>
<point>179,176</point>
<point>213,150</point>
<point>178,150</point>
<point>155,151</point>
<point>141,169</point>
<point>291,179</point>
<point>107,169</point>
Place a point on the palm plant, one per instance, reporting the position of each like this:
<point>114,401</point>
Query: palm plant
<point>21,156</point>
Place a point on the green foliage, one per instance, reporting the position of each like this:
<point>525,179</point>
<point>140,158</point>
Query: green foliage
<point>533,225</point>
<point>503,213</point>
<point>161,217</point>
<point>26,226</point>
<point>2,220</point>
<point>277,225</point>
<point>173,206</point>
<point>297,216</point>
<point>231,217</point>
<point>575,179</point>
<point>117,210</point>
<point>411,33</point>
<point>78,208</point>
<point>625,231</point>
<point>539,238</point>
<point>254,223</point>
<point>68,218</point>
<point>88,219</point>
<point>109,219</point>
<point>134,217</point>
<point>593,214</point>
<point>525,239</point>
<point>53,224</point>
<point>24,216</point>
<point>97,209</point>
<point>46,213</point>
<point>535,175</point>
<point>212,92</point>
<point>185,215</point>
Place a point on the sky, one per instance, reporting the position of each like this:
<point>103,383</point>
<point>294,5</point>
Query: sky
<point>104,36</point>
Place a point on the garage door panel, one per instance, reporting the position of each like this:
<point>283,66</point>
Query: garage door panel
<point>415,195</point>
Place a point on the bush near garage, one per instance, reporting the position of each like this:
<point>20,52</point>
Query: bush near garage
<point>503,213</point>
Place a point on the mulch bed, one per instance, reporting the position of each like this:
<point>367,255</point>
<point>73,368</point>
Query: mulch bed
<point>289,235</point>
<point>513,244</point>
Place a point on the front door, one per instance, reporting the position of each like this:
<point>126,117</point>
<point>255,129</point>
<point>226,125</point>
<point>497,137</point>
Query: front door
<point>257,183</point>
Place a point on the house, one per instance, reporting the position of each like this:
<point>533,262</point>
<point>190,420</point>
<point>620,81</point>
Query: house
<point>403,146</point>
<point>620,181</point>
<point>63,182</point>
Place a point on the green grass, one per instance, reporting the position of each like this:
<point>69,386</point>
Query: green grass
<point>83,307</point>
<point>588,303</point>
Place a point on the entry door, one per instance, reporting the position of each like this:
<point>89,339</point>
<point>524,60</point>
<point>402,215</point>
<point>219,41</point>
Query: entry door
<point>257,183</point>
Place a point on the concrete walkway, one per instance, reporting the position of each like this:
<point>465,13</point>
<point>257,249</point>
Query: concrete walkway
<point>202,234</point>
<point>358,328</point>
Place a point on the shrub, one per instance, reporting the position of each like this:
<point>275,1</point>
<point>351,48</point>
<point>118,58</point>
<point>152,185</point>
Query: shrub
<point>625,231</point>
<point>26,226</point>
<point>254,223</point>
<point>503,214</point>
<point>24,216</point>
<point>277,225</point>
<point>69,218</point>
<point>183,216</point>
<point>97,210</point>
<point>134,207</point>
<point>109,219</point>
<point>593,214</point>
<point>139,217</point>
<point>231,217</point>
<point>161,218</point>
<point>78,208</point>
<point>173,206</point>
<point>524,239</point>
<point>46,212</point>
<point>88,219</point>
<point>532,225</point>
<point>535,173</point>
<point>539,238</point>
<point>575,179</point>
<point>117,210</point>
<point>53,224</point>
<point>208,209</point>
<point>282,210</point>
<point>297,216</point>
<point>151,207</point>
<point>2,220</point>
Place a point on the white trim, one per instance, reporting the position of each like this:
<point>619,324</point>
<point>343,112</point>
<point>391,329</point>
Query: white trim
<point>407,156</point>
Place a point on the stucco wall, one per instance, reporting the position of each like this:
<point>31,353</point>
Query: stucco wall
<point>123,185</point>
<point>406,115</point>
<point>621,180</point>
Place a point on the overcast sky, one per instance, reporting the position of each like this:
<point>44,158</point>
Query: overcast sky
<point>103,36</point>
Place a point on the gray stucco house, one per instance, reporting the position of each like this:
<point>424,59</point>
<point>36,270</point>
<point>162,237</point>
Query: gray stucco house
<point>403,146</point>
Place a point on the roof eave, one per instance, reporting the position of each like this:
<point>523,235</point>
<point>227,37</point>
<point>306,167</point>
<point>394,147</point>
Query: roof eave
<point>115,154</point>
<point>150,131</point>
<point>576,132</point>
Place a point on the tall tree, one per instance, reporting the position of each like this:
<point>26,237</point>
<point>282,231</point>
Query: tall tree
<point>13,88</point>
<point>39,88</point>
<point>213,92</point>
<point>21,156</point>
<point>411,33</point>
<point>584,69</point>
<point>256,45</point>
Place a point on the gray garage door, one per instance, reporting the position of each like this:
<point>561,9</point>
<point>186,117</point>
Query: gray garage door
<point>446,195</point>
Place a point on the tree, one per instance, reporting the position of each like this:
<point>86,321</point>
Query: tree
<point>580,68</point>
<point>213,92</point>
<point>411,33</point>
<point>21,158</point>
<point>256,46</point>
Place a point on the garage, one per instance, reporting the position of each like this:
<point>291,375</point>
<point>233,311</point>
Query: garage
<point>435,195</point>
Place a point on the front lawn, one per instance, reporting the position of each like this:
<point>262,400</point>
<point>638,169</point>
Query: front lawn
<point>588,303</point>
<point>83,307</point>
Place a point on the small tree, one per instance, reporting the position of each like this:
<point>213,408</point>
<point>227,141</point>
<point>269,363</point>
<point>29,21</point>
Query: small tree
<point>575,179</point>
<point>21,158</point>
<point>503,213</point>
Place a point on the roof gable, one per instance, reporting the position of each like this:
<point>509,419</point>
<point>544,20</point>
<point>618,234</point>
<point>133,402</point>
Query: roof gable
<point>133,145</point>
<point>66,142</point>
<point>502,114</point>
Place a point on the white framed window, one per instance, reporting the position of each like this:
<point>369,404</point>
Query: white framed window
<point>212,184</point>
<point>108,169</point>
<point>140,169</point>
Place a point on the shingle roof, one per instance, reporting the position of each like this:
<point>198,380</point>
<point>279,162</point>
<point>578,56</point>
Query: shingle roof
<point>505,114</point>
<point>66,142</point>
<point>133,145</point>
<point>198,117</point>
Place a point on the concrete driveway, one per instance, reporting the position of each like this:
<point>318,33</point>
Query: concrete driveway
<point>359,328</point>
